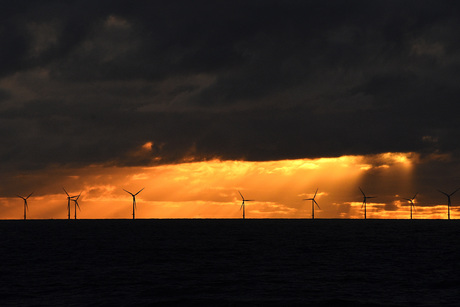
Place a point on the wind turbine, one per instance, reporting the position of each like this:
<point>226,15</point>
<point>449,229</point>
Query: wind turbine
<point>411,200</point>
<point>68,202</point>
<point>134,201</point>
<point>365,202</point>
<point>26,207</point>
<point>313,203</point>
<point>243,206</point>
<point>76,204</point>
<point>448,201</point>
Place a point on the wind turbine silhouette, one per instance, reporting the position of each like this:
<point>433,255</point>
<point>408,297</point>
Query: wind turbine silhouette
<point>365,202</point>
<point>68,203</point>
<point>313,203</point>
<point>411,200</point>
<point>448,201</point>
<point>26,207</point>
<point>76,204</point>
<point>243,206</point>
<point>134,201</point>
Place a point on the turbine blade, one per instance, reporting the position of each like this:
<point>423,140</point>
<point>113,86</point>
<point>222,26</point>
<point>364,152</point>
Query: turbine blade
<point>65,191</point>
<point>443,193</point>
<point>241,195</point>
<point>454,192</point>
<point>139,191</point>
<point>30,195</point>
<point>78,196</point>
<point>19,196</point>
<point>76,203</point>
<point>316,204</point>
<point>128,192</point>
<point>315,193</point>
<point>362,192</point>
<point>242,206</point>
<point>414,196</point>
<point>249,200</point>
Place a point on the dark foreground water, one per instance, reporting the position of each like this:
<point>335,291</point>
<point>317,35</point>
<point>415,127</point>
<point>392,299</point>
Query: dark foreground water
<point>230,262</point>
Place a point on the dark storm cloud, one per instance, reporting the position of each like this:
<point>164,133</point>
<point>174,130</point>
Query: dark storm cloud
<point>90,82</point>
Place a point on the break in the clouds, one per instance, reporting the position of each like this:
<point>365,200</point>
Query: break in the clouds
<point>144,82</point>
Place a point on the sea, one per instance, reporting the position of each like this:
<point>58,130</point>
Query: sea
<point>229,262</point>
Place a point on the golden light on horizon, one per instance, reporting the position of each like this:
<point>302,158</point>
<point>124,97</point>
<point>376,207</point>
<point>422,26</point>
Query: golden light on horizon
<point>209,189</point>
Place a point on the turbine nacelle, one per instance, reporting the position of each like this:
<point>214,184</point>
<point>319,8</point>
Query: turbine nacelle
<point>313,199</point>
<point>24,198</point>
<point>242,197</point>
<point>449,195</point>
<point>365,198</point>
<point>68,196</point>
<point>76,200</point>
<point>411,200</point>
<point>133,195</point>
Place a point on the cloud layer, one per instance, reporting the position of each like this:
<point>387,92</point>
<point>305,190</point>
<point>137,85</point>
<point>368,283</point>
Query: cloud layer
<point>90,82</point>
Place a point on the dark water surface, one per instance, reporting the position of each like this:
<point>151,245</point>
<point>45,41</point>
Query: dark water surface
<point>230,262</point>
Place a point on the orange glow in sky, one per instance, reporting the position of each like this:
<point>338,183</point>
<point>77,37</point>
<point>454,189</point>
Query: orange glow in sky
<point>210,190</point>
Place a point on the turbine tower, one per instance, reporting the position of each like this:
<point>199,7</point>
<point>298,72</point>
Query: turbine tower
<point>134,201</point>
<point>365,202</point>
<point>411,201</point>
<point>26,207</point>
<point>76,204</point>
<point>243,205</point>
<point>68,203</point>
<point>313,203</point>
<point>448,201</point>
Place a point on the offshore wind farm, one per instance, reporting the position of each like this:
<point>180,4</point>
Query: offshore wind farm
<point>270,99</point>
<point>314,203</point>
<point>229,153</point>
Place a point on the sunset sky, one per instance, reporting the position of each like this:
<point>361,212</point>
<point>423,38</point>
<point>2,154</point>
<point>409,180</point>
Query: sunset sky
<point>197,100</point>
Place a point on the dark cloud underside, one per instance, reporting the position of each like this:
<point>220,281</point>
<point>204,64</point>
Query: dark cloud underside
<point>92,81</point>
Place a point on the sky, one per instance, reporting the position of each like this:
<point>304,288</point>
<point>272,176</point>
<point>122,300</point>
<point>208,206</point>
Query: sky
<point>197,100</point>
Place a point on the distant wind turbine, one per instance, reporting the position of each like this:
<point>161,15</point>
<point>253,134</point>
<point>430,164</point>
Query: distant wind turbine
<point>448,201</point>
<point>68,203</point>
<point>134,201</point>
<point>313,203</point>
<point>411,200</point>
<point>365,202</point>
<point>243,204</point>
<point>26,207</point>
<point>76,204</point>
